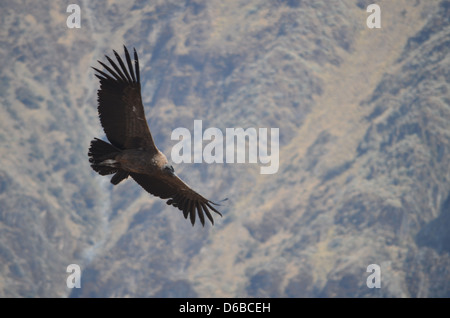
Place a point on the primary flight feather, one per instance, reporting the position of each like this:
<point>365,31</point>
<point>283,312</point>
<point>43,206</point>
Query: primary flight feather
<point>131,150</point>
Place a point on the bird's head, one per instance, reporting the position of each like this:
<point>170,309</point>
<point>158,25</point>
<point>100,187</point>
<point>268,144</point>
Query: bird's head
<point>167,168</point>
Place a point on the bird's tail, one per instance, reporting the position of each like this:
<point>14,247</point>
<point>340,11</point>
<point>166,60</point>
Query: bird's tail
<point>102,158</point>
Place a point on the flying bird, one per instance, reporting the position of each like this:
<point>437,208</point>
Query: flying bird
<point>131,150</point>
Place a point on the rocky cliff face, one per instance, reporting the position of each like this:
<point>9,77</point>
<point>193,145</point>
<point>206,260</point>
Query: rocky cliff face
<point>363,179</point>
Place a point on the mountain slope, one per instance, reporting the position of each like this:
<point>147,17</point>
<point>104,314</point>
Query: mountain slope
<point>363,116</point>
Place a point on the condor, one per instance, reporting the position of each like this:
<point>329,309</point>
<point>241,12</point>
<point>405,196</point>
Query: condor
<point>131,150</point>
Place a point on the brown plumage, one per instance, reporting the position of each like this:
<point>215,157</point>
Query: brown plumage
<point>132,151</point>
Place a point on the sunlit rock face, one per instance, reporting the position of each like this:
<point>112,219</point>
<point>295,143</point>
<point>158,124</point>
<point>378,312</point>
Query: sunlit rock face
<point>363,117</point>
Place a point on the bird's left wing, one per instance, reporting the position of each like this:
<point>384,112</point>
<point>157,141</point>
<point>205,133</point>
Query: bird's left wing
<point>120,105</point>
<point>180,195</point>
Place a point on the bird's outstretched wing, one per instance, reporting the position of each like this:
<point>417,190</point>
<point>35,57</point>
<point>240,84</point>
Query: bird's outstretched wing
<point>120,104</point>
<point>180,195</point>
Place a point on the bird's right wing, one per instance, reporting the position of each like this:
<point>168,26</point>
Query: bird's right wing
<point>180,195</point>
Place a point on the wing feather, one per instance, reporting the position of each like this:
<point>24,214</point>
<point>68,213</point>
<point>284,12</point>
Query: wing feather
<point>114,74</point>
<point>118,58</point>
<point>130,66</point>
<point>116,68</point>
<point>105,76</point>
<point>200,213</point>
<point>136,66</point>
<point>208,214</point>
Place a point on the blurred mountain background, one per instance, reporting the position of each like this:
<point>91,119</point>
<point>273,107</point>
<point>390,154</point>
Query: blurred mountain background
<point>364,119</point>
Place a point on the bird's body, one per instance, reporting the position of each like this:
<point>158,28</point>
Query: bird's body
<point>132,151</point>
<point>141,161</point>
